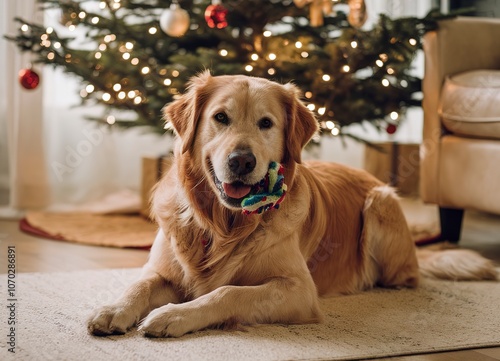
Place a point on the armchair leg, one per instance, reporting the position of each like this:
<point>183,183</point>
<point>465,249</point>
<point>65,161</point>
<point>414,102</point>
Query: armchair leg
<point>451,223</point>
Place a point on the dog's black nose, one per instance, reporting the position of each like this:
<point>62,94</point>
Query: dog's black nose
<point>241,162</point>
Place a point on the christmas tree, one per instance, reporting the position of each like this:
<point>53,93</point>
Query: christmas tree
<point>139,54</point>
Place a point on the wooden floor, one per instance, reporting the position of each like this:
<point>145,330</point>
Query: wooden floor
<point>480,232</point>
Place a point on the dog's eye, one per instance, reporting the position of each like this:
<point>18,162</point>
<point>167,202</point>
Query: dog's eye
<point>265,123</point>
<point>221,118</point>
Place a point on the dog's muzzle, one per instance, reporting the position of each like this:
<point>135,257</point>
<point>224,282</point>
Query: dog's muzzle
<point>267,194</point>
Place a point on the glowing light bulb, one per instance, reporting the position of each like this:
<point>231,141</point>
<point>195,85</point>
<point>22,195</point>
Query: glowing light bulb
<point>254,57</point>
<point>167,82</point>
<point>117,87</point>
<point>390,71</point>
<point>412,42</point>
<point>109,38</point>
<point>271,71</point>
<point>110,120</point>
<point>298,44</point>
<point>248,68</point>
<point>354,44</point>
<point>134,61</point>
<point>379,63</point>
<point>311,107</point>
<point>267,33</point>
<point>25,27</point>
<point>152,30</point>
<point>71,27</point>
<point>102,47</point>
<point>272,56</point>
<point>145,70</point>
<point>89,88</point>
<point>385,82</point>
<point>330,125</point>
<point>106,97</point>
<point>102,5</point>
<point>50,56</point>
<point>126,56</point>
<point>98,55</point>
<point>122,95</point>
<point>94,20</point>
<point>223,52</point>
<point>335,131</point>
<point>321,110</point>
<point>326,77</point>
<point>57,45</point>
<point>131,94</point>
<point>308,95</point>
<point>394,115</point>
<point>82,15</point>
<point>137,100</point>
<point>304,54</point>
<point>175,73</point>
<point>346,68</point>
<point>49,30</point>
<point>129,45</point>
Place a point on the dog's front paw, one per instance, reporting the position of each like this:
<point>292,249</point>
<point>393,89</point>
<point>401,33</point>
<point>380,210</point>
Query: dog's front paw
<point>172,320</point>
<point>109,320</point>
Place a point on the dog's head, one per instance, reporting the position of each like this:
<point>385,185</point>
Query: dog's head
<point>235,126</point>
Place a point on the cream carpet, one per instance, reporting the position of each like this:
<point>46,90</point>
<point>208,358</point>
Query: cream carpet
<point>52,309</point>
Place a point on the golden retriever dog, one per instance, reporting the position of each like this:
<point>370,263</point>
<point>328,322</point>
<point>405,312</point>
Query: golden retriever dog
<point>337,231</point>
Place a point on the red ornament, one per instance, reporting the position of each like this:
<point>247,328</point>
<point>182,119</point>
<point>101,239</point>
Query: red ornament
<point>215,16</point>
<point>29,79</point>
<point>391,129</point>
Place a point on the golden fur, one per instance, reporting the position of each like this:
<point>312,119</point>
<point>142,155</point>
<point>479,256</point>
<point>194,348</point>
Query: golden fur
<point>338,231</point>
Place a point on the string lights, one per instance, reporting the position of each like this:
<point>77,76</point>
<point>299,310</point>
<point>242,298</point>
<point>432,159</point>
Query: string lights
<point>334,65</point>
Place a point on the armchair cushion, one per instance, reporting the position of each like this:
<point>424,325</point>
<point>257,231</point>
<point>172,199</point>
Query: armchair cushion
<point>470,104</point>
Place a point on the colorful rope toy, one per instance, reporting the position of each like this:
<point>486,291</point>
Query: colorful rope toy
<point>268,193</point>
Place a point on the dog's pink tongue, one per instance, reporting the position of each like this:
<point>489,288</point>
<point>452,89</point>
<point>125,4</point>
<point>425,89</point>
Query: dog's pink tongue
<point>236,190</point>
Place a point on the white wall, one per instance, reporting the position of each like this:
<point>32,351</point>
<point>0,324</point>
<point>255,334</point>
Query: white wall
<point>4,168</point>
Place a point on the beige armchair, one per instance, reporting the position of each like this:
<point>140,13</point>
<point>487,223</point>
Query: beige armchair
<point>460,152</point>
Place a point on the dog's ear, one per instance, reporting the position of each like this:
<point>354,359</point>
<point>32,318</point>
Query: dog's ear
<point>301,124</point>
<point>184,113</point>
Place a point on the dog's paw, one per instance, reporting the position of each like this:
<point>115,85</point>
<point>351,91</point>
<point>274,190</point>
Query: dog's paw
<point>109,320</point>
<point>172,320</point>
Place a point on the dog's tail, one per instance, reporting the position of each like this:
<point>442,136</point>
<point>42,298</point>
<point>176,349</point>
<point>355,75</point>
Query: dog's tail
<point>455,264</point>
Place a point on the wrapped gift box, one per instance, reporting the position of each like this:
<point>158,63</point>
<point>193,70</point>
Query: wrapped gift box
<point>152,170</point>
<point>397,164</point>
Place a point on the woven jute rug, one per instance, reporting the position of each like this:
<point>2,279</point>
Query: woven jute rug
<point>51,312</point>
<point>136,231</point>
<point>124,231</point>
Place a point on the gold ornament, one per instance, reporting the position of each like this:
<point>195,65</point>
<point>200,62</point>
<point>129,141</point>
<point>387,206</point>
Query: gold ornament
<point>357,13</point>
<point>317,9</point>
